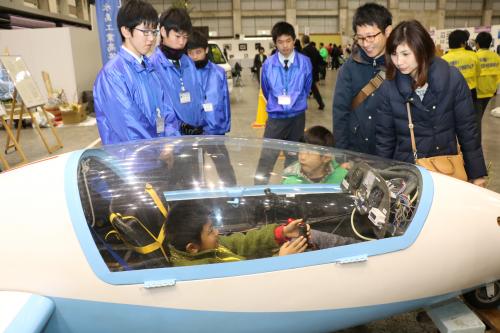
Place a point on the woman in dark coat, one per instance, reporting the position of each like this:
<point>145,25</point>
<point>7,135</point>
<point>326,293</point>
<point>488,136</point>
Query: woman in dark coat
<point>440,102</point>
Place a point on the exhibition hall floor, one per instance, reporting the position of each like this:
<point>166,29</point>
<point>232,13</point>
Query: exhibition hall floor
<point>244,106</point>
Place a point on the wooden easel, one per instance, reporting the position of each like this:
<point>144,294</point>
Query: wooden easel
<point>29,111</point>
<point>4,162</point>
<point>15,144</point>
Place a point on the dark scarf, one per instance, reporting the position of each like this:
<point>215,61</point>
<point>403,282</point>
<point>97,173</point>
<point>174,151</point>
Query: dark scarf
<point>170,53</point>
<point>201,63</point>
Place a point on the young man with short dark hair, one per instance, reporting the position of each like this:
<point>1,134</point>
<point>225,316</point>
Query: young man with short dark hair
<point>354,110</point>
<point>177,71</point>
<point>216,107</point>
<point>129,103</point>
<point>286,82</point>
<point>258,60</point>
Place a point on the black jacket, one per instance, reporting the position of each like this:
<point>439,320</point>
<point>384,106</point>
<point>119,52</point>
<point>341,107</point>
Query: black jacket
<point>355,129</point>
<point>316,60</point>
<point>445,114</point>
<point>257,64</point>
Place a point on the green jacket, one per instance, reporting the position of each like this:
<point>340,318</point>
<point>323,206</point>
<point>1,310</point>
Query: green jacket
<point>294,175</point>
<point>257,243</point>
<point>323,52</point>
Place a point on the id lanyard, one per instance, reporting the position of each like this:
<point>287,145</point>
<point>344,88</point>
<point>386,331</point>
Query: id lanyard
<point>207,105</point>
<point>160,122</point>
<point>285,100</point>
<point>285,79</point>
<point>184,95</point>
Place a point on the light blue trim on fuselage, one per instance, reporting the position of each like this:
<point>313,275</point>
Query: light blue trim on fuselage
<point>77,316</point>
<point>33,315</point>
<point>199,272</point>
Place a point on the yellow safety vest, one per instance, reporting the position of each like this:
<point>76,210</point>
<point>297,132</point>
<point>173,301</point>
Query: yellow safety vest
<point>489,79</point>
<point>466,62</point>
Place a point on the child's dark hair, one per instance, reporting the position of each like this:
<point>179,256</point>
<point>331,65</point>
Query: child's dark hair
<point>176,19</point>
<point>319,135</point>
<point>135,12</point>
<point>372,14</point>
<point>197,40</point>
<point>282,28</point>
<point>185,223</point>
<point>483,39</point>
<point>457,38</point>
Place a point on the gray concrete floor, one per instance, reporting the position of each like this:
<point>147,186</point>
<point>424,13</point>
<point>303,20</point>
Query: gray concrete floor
<point>244,106</point>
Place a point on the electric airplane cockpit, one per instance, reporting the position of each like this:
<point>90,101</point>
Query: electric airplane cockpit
<point>127,190</point>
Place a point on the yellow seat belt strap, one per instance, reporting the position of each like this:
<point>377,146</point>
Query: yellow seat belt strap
<point>152,193</point>
<point>157,244</point>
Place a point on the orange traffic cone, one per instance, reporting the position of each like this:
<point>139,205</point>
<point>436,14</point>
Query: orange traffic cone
<point>261,118</point>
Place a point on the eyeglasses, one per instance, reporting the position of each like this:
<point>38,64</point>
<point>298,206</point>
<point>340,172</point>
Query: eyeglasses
<point>369,38</point>
<point>148,32</point>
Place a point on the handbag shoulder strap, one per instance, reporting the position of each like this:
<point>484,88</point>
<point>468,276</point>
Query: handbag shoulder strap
<point>368,89</point>
<point>412,134</point>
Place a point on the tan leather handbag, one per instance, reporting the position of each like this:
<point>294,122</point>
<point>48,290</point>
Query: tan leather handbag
<point>450,165</point>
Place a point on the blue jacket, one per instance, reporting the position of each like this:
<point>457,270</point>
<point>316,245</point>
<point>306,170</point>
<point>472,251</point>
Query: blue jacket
<point>355,129</point>
<point>127,97</point>
<point>274,82</point>
<point>213,83</point>
<point>445,114</point>
<point>170,78</point>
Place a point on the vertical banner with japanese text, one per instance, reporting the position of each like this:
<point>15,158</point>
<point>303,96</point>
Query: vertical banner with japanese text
<point>109,36</point>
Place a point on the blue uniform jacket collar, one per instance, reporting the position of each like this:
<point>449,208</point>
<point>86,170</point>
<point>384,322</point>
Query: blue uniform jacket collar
<point>275,60</point>
<point>133,62</point>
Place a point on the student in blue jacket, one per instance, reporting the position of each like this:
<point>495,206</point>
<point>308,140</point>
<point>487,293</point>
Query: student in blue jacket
<point>177,71</point>
<point>213,85</point>
<point>286,82</point>
<point>216,108</point>
<point>129,103</point>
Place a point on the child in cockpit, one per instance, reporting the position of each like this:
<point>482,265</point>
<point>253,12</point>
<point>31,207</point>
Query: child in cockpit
<point>194,239</point>
<point>313,167</point>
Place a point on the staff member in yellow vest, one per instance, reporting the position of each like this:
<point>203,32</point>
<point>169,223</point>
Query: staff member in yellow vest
<point>464,60</point>
<point>488,81</point>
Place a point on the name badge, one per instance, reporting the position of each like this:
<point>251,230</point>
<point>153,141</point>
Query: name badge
<point>160,122</point>
<point>284,100</point>
<point>185,97</point>
<point>2,110</point>
<point>208,107</point>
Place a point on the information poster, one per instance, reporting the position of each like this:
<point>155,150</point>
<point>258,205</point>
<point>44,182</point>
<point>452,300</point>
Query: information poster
<point>23,81</point>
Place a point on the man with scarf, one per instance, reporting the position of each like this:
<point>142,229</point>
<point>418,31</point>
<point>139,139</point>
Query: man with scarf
<point>177,71</point>
<point>215,103</point>
<point>179,82</point>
